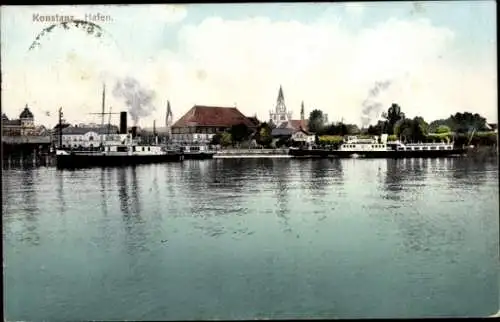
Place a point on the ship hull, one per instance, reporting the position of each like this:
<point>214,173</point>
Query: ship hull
<point>198,155</point>
<point>318,153</point>
<point>73,161</point>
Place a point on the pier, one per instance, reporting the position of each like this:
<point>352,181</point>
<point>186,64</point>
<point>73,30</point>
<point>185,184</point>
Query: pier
<point>26,150</point>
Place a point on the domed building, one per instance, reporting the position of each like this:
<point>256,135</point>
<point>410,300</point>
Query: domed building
<point>27,122</point>
<point>24,126</point>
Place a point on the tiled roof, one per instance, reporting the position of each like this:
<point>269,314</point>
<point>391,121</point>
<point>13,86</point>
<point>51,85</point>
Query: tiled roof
<point>254,120</point>
<point>282,131</point>
<point>83,130</point>
<point>298,124</point>
<point>213,116</point>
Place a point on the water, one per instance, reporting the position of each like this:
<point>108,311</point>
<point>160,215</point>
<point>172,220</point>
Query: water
<point>252,238</point>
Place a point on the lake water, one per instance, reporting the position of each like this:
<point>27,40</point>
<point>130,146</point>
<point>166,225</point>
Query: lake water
<point>252,238</point>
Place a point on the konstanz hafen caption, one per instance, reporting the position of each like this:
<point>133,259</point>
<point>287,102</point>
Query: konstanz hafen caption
<point>92,17</point>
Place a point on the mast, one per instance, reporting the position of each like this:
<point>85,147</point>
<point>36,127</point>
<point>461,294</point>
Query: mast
<point>103,103</point>
<point>109,121</point>
<point>60,127</point>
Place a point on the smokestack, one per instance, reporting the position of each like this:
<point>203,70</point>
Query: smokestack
<point>123,122</point>
<point>134,131</point>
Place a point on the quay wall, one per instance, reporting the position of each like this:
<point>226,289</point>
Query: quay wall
<point>252,153</point>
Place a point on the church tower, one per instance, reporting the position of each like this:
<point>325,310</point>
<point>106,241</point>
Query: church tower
<point>280,114</point>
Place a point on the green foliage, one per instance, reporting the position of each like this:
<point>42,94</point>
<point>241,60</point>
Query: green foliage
<point>263,135</point>
<point>226,139</point>
<point>438,137</point>
<point>434,125</point>
<point>316,120</point>
<point>216,139</point>
<point>411,129</point>
<point>466,122</point>
<point>442,129</point>
<point>377,129</point>
<point>239,132</point>
<point>392,137</point>
<point>393,115</point>
<point>330,139</point>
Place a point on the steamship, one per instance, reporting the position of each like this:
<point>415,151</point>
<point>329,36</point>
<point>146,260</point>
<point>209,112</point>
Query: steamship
<point>116,150</point>
<point>353,147</point>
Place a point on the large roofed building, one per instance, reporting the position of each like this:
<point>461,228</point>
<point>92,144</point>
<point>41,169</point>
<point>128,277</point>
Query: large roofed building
<point>23,126</point>
<point>201,123</point>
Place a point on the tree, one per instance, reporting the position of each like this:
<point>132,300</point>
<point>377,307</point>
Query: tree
<point>226,139</point>
<point>434,125</point>
<point>216,139</point>
<point>316,121</point>
<point>411,129</point>
<point>336,129</point>
<point>353,129</point>
<point>239,132</point>
<point>377,129</point>
<point>392,116</point>
<point>263,135</point>
<point>442,129</point>
<point>466,122</point>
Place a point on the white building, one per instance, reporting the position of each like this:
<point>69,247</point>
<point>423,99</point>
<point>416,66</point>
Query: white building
<point>89,137</point>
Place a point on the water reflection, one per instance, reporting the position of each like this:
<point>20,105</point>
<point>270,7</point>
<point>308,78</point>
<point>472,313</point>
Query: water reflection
<point>135,236</point>
<point>61,197</point>
<point>30,207</point>
<point>121,182</point>
<point>324,172</point>
<point>421,231</point>
<point>393,179</point>
<point>467,171</point>
<point>218,195</point>
<point>281,194</point>
<point>104,199</point>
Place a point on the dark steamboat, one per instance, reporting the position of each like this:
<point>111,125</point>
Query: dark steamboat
<point>126,151</point>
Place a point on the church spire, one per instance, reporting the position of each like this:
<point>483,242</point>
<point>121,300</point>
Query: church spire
<point>280,102</point>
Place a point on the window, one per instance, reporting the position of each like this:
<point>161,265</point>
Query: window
<point>433,148</point>
<point>142,148</point>
<point>91,138</point>
<point>133,149</point>
<point>441,148</point>
<point>149,148</point>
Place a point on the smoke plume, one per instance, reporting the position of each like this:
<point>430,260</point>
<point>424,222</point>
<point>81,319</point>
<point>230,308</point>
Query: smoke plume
<point>371,107</point>
<point>139,100</point>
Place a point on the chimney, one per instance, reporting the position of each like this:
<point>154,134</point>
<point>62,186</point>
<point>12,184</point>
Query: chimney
<point>134,132</point>
<point>123,122</point>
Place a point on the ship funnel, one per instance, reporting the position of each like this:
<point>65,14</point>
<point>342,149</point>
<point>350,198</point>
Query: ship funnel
<point>123,122</point>
<point>134,132</point>
<point>383,138</point>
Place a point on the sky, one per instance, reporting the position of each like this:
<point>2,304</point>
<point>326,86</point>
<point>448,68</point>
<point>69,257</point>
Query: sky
<point>437,58</point>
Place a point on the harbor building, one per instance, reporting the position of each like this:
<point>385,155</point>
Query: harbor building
<point>201,123</point>
<point>23,126</point>
<point>86,137</point>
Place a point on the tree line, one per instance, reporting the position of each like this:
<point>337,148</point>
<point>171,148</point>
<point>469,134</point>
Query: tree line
<point>397,125</point>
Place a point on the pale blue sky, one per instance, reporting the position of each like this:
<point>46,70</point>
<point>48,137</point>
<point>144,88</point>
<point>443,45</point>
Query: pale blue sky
<point>441,49</point>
